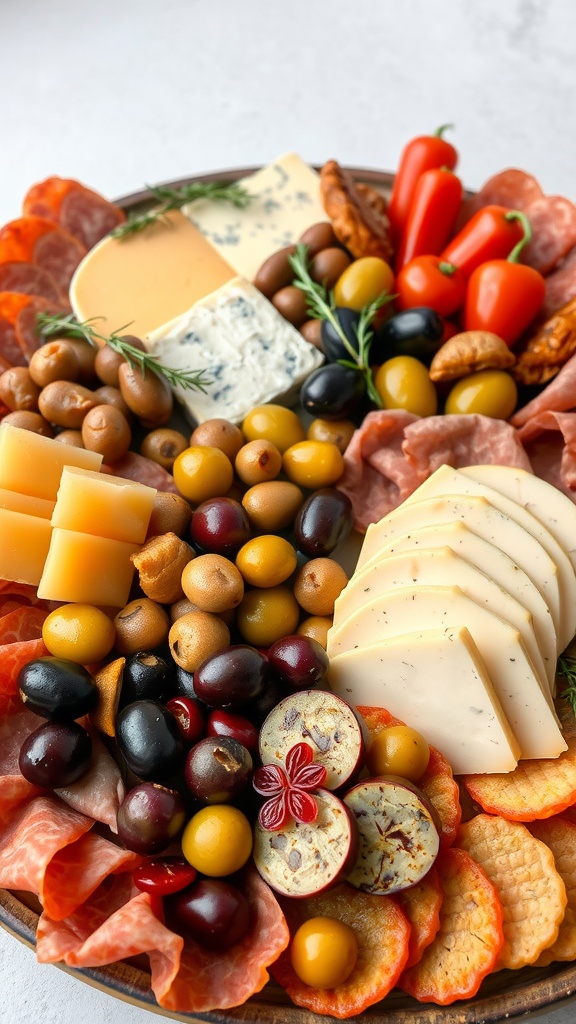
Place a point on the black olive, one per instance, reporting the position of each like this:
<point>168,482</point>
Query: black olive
<point>332,391</point>
<point>332,344</point>
<point>146,676</point>
<point>150,817</point>
<point>325,519</point>
<point>58,689</point>
<point>55,755</point>
<point>413,332</point>
<point>149,739</point>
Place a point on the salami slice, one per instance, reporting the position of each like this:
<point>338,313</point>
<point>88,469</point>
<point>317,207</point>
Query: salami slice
<point>133,466</point>
<point>553,223</point>
<point>10,350</point>
<point>13,657</point>
<point>463,440</point>
<point>22,624</point>
<point>16,724</point>
<point>24,860</point>
<point>27,333</point>
<point>40,241</point>
<point>511,188</point>
<point>19,336</point>
<point>100,791</point>
<point>29,279</point>
<point>560,285</point>
<point>76,871</point>
<point>550,441</point>
<point>80,211</point>
<point>558,396</point>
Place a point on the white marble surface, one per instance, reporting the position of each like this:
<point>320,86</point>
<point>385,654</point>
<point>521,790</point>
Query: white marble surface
<point>125,92</point>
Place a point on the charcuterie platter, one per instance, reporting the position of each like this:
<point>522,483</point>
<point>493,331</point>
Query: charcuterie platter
<point>181,328</point>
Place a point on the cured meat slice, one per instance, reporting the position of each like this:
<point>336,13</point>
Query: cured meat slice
<point>558,396</point>
<point>22,624</point>
<point>16,724</point>
<point>10,350</point>
<point>461,440</point>
<point>80,211</point>
<point>13,657</point>
<point>100,791</point>
<point>561,285</point>
<point>29,279</point>
<point>38,240</point>
<point>76,871</point>
<point>553,223</point>
<point>512,188</point>
<point>133,466</point>
<point>550,441</point>
<point>19,336</point>
<point>23,859</point>
<point>56,939</point>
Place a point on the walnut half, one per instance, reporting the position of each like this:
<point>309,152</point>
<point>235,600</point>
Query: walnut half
<point>468,352</point>
<point>359,222</point>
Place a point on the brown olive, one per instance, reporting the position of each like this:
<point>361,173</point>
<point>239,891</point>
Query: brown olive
<point>109,395</point>
<point>180,608</point>
<point>275,272</point>
<point>107,364</point>
<point>316,627</point>
<point>319,236</point>
<point>213,583</point>
<point>141,626</point>
<point>71,437</point>
<point>219,433</point>
<point>163,445</point>
<point>339,432</point>
<point>311,330</point>
<point>327,266</point>
<point>146,395</point>
<point>18,390</point>
<point>317,585</point>
<point>195,636</point>
<point>56,360</point>
<point>106,430</point>
<point>28,420</point>
<point>66,403</point>
<point>291,303</point>
<point>160,563</point>
<point>86,356</point>
<point>258,461</point>
<point>171,513</point>
<point>272,505</point>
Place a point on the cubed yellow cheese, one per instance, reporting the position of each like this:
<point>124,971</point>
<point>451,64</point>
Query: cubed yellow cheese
<point>24,543</point>
<point>107,506</point>
<point>87,569</point>
<point>16,502</point>
<point>31,464</point>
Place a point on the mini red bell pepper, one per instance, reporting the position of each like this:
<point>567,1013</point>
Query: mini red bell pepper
<point>430,281</point>
<point>489,235</point>
<point>422,153</point>
<point>435,206</point>
<point>504,296</point>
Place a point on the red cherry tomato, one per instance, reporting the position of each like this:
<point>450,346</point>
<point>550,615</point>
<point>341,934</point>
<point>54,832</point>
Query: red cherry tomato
<point>164,876</point>
<point>419,155</point>
<point>489,235</point>
<point>503,296</point>
<point>429,281</point>
<point>432,215</point>
<point>189,716</point>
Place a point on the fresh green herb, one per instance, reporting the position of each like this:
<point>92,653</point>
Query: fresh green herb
<point>567,670</point>
<point>321,307</point>
<point>175,198</point>
<point>58,326</point>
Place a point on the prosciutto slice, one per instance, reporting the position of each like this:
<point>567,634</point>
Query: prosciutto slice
<point>76,871</point>
<point>23,859</point>
<point>100,791</point>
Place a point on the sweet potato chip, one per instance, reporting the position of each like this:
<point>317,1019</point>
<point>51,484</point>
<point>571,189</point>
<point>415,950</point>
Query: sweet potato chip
<point>437,782</point>
<point>421,904</point>
<point>382,932</point>
<point>535,789</point>
<point>532,893</point>
<point>559,834</point>
<point>469,939</point>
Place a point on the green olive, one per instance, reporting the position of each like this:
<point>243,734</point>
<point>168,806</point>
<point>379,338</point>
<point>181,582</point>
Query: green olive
<point>362,282</point>
<point>486,393</point>
<point>403,382</point>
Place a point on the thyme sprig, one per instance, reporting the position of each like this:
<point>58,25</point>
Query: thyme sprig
<point>175,198</point>
<point>566,670</point>
<point>58,326</point>
<point>321,306</point>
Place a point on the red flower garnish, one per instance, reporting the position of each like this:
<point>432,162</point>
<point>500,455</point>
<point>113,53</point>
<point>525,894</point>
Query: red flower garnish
<point>288,788</point>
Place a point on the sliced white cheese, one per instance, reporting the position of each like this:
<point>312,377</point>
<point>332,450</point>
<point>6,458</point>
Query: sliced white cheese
<point>447,480</point>
<point>441,567</point>
<point>498,565</point>
<point>479,516</point>
<point>286,201</point>
<point>551,507</point>
<point>529,714</point>
<point>437,681</point>
<point>250,353</point>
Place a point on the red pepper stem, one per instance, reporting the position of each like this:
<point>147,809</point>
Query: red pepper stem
<point>514,256</point>
<point>440,131</point>
<point>447,268</point>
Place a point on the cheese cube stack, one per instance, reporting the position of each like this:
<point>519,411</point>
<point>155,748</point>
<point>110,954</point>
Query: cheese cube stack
<point>473,579</point>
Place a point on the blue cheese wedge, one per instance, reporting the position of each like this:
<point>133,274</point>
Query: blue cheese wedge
<point>286,202</point>
<point>247,349</point>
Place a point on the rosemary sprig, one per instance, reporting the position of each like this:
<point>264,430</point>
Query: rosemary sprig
<point>175,198</point>
<point>567,670</point>
<point>321,307</point>
<point>58,326</point>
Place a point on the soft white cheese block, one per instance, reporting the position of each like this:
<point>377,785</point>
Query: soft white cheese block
<point>286,202</point>
<point>247,349</point>
<point>441,567</point>
<point>437,681</point>
<point>483,519</point>
<point>531,718</point>
<point>447,480</point>
<point>550,506</point>
<point>499,566</point>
